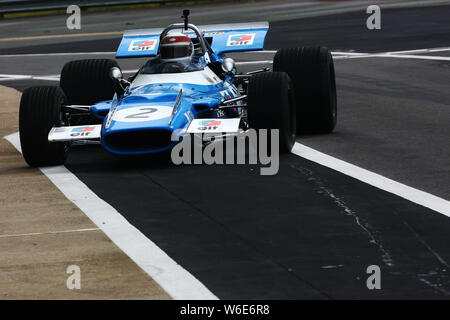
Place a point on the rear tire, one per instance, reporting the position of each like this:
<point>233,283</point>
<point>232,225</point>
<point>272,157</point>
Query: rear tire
<point>270,105</point>
<point>312,72</point>
<point>40,110</point>
<point>86,82</point>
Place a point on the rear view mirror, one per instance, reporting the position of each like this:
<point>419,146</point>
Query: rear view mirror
<point>115,73</point>
<point>228,65</point>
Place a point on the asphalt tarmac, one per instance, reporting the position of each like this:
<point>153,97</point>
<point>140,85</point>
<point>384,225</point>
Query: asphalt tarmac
<point>308,232</point>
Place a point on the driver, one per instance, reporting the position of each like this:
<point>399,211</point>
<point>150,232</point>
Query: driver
<point>176,53</point>
<point>176,48</point>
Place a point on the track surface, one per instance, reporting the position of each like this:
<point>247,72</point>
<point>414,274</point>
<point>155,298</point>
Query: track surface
<point>308,232</point>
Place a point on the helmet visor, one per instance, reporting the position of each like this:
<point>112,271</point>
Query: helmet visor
<point>177,51</point>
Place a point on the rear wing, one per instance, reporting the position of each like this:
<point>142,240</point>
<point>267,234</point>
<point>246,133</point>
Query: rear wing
<point>223,38</point>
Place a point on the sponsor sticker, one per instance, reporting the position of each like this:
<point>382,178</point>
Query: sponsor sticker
<point>74,133</point>
<point>241,39</point>
<point>143,45</point>
<point>82,131</point>
<point>214,125</point>
<point>209,125</point>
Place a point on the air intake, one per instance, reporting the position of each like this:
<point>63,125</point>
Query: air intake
<point>140,140</point>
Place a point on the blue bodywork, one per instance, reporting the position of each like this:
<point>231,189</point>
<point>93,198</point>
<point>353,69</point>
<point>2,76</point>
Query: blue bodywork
<point>127,134</point>
<point>197,101</point>
<point>223,38</point>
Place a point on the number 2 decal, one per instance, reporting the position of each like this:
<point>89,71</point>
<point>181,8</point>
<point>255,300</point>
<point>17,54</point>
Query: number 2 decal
<point>140,115</point>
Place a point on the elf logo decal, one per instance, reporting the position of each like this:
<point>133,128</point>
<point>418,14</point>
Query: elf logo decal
<point>241,39</point>
<point>143,45</point>
<point>209,125</point>
<point>81,131</point>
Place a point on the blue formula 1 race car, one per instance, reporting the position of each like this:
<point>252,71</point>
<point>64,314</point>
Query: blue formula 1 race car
<point>188,86</point>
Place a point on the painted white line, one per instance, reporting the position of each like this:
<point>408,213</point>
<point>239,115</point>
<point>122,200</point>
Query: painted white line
<point>15,77</point>
<point>418,3</point>
<point>409,56</point>
<point>57,36</point>
<point>337,56</point>
<point>342,53</point>
<point>333,52</point>
<point>175,280</point>
<point>414,195</point>
<point>393,54</point>
<point>50,232</point>
<point>258,51</point>
<point>5,77</point>
<point>420,51</point>
<point>46,78</point>
<point>113,53</point>
<point>398,56</point>
<point>24,55</point>
<point>54,77</point>
<point>13,23</point>
<point>341,57</point>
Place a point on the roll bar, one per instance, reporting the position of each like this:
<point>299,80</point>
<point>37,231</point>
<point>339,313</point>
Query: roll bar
<point>190,26</point>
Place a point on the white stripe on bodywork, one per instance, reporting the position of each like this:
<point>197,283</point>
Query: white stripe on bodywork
<point>203,77</point>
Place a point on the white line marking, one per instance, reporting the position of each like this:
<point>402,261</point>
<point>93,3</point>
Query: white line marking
<point>55,54</point>
<point>342,53</point>
<point>13,23</point>
<point>53,77</point>
<point>398,56</point>
<point>409,3</point>
<point>410,56</point>
<point>257,51</point>
<point>414,195</point>
<point>275,51</point>
<point>47,78</point>
<point>355,55</point>
<point>336,54</point>
<point>420,51</point>
<point>14,77</point>
<point>9,77</point>
<point>57,36</point>
<point>113,53</point>
<point>175,280</point>
<point>50,232</point>
<point>341,57</point>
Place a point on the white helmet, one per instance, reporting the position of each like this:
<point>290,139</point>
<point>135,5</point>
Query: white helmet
<point>176,48</point>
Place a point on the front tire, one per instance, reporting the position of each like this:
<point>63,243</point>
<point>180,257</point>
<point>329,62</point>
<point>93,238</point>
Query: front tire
<point>86,82</point>
<point>270,105</point>
<point>312,72</point>
<point>40,110</point>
